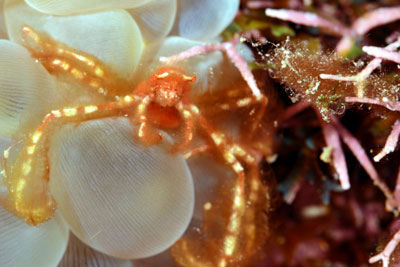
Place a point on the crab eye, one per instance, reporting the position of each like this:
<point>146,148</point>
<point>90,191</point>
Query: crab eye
<point>162,75</point>
<point>189,78</point>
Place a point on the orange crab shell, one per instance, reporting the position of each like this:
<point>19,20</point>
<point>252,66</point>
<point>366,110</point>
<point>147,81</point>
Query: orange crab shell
<point>170,85</point>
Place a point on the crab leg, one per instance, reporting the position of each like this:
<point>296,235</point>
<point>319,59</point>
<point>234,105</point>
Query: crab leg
<point>188,132</point>
<point>241,235</point>
<point>238,206</point>
<point>58,58</point>
<point>147,134</point>
<point>197,150</point>
<point>27,179</point>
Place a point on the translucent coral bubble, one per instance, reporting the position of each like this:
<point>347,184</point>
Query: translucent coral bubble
<point>112,36</point>
<point>24,245</point>
<point>207,176</point>
<point>68,7</point>
<point>155,19</point>
<point>79,254</point>
<point>119,197</point>
<point>204,19</point>
<point>27,91</point>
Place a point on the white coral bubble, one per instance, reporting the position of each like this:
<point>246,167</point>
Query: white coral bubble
<point>27,91</point>
<point>78,254</point>
<point>24,245</point>
<point>119,197</point>
<point>68,7</point>
<point>155,19</point>
<point>204,19</point>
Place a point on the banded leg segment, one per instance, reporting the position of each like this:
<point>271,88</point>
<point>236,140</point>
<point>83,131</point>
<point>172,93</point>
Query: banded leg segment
<point>28,176</point>
<point>188,131</point>
<point>197,150</point>
<point>255,222</point>
<point>147,133</point>
<point>247,102</point>
<point>236,223</point>
<point>58,58</point>
<point>234,100</point>
<point>222,143</point>
<point>231,238</point>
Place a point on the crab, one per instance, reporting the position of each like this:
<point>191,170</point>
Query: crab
<point>163,101</point>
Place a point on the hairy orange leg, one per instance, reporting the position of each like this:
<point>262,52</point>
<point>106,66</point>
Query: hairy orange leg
<point>27,178</point>
<point>188,130</point>
<point>255,220</point>
<point>230,239</point>
<point>197,150</point>
<point>58,58</point>
<point>147,134</point>
<point>223,145</point>
<point>241,235</point>
<point>254,119</point>
<point>236,99</point>
<point>247,102</point>
<point>238,207</point>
